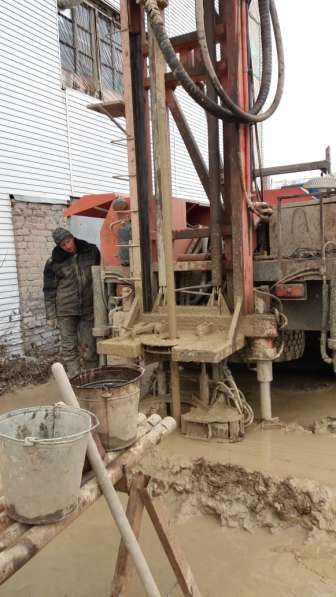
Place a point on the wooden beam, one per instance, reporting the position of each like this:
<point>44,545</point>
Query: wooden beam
<point>191,233</point>
<point>162,173</point>
<point>134,511</point>
<point>159,518</point>
<point>237,181</point>
<point>214,159</point>
<point>188,140</point>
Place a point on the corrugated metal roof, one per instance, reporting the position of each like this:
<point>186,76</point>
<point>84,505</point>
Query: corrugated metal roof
<point>321,182</point>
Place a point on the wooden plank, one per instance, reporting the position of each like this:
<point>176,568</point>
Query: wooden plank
<point>237,155</point>
<point>191,233</point>
<point>119,347</point>
<point>214,159</point>
<point>155,62</point>
<point>114,109</point>
<point>160,520</point>
<point>124,565</point>
<point>162,173</point>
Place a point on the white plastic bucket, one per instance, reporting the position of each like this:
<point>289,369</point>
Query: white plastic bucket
<point>42,452</point>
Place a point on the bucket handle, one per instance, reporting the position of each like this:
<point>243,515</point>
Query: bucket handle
<point>35,441</point>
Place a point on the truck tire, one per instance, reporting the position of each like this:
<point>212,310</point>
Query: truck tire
<point>294,346</point>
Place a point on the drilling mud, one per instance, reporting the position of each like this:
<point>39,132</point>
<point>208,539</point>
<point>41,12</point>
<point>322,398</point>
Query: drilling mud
<point>238,498</point>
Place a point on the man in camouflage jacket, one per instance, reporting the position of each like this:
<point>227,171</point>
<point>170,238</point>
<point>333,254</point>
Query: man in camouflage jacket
<point>69,298</point>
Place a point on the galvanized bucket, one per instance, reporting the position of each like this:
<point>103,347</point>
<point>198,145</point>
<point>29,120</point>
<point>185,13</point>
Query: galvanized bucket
<point>113,394</point>
<point>42,452</point>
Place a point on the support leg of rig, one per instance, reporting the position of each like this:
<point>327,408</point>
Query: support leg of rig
<point>175,391</point>
<point>265,377</point>
<point>161,377</point>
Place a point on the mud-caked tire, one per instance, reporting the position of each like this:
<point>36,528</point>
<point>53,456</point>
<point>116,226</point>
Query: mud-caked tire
<point>294,346</point>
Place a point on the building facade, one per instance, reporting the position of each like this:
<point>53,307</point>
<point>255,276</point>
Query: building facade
<point>54,63</point>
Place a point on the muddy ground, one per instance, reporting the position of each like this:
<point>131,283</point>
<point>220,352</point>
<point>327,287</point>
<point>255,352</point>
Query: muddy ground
<point>33,369</point>
<point>254,518</point>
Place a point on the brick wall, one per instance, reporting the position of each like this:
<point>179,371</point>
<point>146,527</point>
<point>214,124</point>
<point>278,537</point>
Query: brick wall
<point>33,225</point>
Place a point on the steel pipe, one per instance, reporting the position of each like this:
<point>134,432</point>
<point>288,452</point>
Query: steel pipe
<point>108,490</point>
<point>265,377</point>
<point>32,541</point>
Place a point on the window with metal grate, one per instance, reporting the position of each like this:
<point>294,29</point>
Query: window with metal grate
<point>90,49</point>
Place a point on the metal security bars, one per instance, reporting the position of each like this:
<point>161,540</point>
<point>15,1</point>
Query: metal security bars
<point>90,48</point>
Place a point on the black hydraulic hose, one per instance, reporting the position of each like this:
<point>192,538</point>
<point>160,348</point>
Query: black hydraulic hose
<point>266,43</point>
<point>232,113</point>
<point>250,116</point>
<point>266,51</point>
<point>176,67</point>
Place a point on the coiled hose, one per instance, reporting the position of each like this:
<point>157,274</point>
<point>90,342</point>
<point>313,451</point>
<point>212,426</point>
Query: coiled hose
<point>266,8</point>
<point>229,111</point>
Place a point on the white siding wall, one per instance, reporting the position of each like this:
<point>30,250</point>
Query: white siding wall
<point>40,122</point>
<point>180,18</point>
<point>95,161</point>
<point>10,332</point>
<point>34,157</point>
<point>185,181</point>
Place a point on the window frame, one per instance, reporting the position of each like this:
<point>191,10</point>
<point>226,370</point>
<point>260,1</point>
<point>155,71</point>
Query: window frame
<point>73,78</point>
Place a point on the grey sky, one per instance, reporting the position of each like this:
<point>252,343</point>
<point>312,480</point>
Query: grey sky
<point>305,122</point>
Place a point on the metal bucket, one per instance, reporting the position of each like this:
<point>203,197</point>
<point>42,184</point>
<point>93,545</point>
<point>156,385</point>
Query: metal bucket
<point>42,452</point>
<point>112,394</point>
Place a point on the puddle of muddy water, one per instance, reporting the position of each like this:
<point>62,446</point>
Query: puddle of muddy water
<point>80,562</point>
<point>278,560</point>
<point>40,395</point>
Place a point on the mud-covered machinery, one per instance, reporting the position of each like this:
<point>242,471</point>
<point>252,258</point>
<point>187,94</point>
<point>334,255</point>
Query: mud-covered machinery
<point>178,284</point>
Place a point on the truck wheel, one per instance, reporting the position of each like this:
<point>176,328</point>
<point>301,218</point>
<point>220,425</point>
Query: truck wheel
<point>294,346</point>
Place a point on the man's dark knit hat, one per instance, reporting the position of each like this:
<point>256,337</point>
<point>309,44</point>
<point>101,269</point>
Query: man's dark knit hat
<point>61,234</point>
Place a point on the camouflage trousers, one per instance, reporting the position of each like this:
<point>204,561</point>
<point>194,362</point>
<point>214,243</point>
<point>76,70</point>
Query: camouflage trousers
<point>78,346</point>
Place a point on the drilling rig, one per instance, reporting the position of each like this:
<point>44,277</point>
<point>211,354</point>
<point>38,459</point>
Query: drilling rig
<point>178,284</point>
